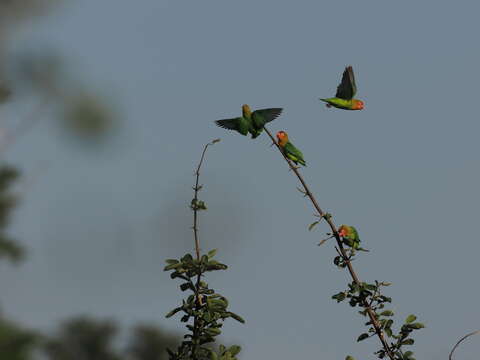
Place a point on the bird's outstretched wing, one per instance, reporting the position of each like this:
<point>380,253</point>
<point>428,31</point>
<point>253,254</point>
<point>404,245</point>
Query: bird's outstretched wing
<point>347,88</point>
<point>268,114</point>
<point>230,124</point>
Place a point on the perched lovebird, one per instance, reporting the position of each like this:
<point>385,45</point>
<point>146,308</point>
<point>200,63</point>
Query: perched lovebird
<point>250,122</point>
<point>345,92</point>
<point>349,235</point>
<point>289,150</point>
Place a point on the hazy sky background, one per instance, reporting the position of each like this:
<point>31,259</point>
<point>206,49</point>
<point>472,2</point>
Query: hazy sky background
<point>404,171</point>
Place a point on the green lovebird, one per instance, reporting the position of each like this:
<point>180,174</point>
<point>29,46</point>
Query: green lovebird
<point>349,235</point>
<point>250,122</point>
<point>289,150</point>
<point>345,92</point>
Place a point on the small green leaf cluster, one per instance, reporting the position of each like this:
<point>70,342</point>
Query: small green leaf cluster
<point>196,204</point>
<point>369,296</point>
<point>364,293</point>
<point>225,353</point>
<point>402,338</point>
<point>204,306</point>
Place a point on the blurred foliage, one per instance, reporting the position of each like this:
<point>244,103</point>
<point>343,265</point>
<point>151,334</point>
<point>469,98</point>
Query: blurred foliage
<point>45,77</point>
<point>86,338</point>
<point>5,93</point>
<point>42,71</point>
<point>83,338</point>
<point>88,117</point>
<point>14,10</point>
<point>83,112</point>
<point>150,343</point>
<point>15,342</point>
<point>9,249</point>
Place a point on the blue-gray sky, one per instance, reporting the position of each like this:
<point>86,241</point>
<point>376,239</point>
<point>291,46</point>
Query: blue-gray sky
<point>404,171</point>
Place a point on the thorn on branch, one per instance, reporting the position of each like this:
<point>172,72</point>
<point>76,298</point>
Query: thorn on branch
<point>325,240</point>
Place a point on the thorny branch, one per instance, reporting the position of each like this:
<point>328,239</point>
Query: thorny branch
<point>341,249</point>
<point>196,208</point>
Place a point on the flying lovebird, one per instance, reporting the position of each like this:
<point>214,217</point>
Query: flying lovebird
<point>345,92</point>
<point>349,235</point>
<point>250,122</point>
<point>289,150</point>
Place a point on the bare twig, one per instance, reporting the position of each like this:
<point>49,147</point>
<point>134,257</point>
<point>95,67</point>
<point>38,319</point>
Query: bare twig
<point>341,249</point>
<point>197,188</point>
<point>195,208</point>
<point>459,341</point>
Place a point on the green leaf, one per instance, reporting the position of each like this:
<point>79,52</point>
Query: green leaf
<point>171,261</point>
<point>188,258</point>
<point>407,342</point>
<point>173,312</point>
<point>370,287</point>
<point>388,331</point>
<point>416,326</point>
<point>234,349</point>
<point>312,225</point>
<point>212,253</point>
<point>213,355</point>
<point>172,266</point>
<point>349,358</point>
<point>363,337</point>
<point>410,319</point>
<point>213,331</point>
<point>176,274</point>
<point>236,317</point>
<point>186,286</point>
<point>407,354</point>
<point>387,313</point>
<point>339,297</point>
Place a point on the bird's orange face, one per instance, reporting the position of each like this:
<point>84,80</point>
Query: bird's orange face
<point>282,138</point>
<point>342,231</point>
<point>359,105</point>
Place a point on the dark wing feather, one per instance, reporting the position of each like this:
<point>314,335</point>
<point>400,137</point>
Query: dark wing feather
<point>230,124</point>
<point>347,88</point>
<point>268,114</point>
